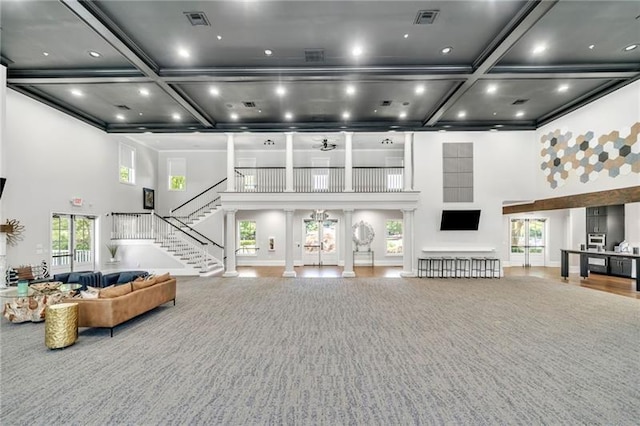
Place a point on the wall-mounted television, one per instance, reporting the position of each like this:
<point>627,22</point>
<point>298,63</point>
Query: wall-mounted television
<point>460,220</point>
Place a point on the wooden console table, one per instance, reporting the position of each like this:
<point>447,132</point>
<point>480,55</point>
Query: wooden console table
<point>584,262</point>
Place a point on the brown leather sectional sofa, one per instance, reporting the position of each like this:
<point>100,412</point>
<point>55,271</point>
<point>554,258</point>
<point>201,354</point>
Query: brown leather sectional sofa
<point>112,311</point>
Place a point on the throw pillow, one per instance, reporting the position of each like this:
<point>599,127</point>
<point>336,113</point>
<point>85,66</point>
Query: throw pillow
<point>162,278</point>
<point>119,290</point>
<point>137,285</point>
<point>25,273</point>
<point>89,294</point>
<point>93,289</point>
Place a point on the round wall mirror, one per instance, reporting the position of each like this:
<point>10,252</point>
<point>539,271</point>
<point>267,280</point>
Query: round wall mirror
<point>363,234</point>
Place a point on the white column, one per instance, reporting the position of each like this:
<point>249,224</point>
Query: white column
<point>230,245</point>
<point>288,247</point>
<point>407,243</point>
<point>408,161</point>
<point>348,161</point>
<point>348,245</point>
<point>289,163</point>
<point>3,126</point>
<point>231,164</point>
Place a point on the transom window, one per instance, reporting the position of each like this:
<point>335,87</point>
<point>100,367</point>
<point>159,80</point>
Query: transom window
<point>177,168</point>
<point>127,161</point>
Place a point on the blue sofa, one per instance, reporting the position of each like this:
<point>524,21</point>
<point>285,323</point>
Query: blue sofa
<point>122,277</point>
<point>97,279</point>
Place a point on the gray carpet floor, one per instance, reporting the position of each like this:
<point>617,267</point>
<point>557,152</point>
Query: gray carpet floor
<point>333,351</point>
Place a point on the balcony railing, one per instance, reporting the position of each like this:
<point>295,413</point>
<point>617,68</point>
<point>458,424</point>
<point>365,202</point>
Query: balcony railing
<point>319,179</point>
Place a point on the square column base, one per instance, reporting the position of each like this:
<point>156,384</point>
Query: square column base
<point>349,274</point>
<point>407,274</point>
<point>289,274</point>
<point>230,274</point>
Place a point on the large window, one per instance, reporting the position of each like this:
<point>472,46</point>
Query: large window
<point>394,236</point>
<point>457,167</point>
<point>247,232</point>
<point>127,161</point>
<point>177,168</point>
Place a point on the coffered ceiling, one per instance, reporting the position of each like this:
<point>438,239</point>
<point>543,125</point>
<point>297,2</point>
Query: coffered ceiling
<point>318,66</point>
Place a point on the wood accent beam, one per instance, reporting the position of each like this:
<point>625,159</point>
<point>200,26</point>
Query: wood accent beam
<point>589,199</point>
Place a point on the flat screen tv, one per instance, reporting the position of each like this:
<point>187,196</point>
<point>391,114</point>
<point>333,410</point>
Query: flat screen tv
<point>460,220</point>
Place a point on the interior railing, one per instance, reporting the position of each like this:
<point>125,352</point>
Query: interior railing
<point>191,248</point>
<point>319,179</point>
<point>205,201</point>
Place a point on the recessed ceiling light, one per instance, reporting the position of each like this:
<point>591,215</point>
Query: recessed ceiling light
<point>140,113</point>
<point>120,116</point>
<point>350,90</point>
<point>214,91</point>
<point>630,47</point>
<point>499,125</point>
<point>403,115</point>
<point>492,88</point>
<point>76,92</point>
<point>406,36</point>
<point>45,53</point>
<point>219,37</point>
<point>175,116</point>
<point>346,115</point>
<point>184,53</point>
<point>495,113</point>
<point>446,50</point>
<point>94,54</point>
<point>563,88</point>
<point>144,92</point>
<point>462,114</point>
<point>592,46</point>
<point>442,131</point>
<point>493,130</point>
<point>539,49</point>
<point>375,110</point>
<point>419,89</point>
<point>288,115</point>
<point>356,51</point>
<point>281,91</point>
<point>259,110</point>
<point>268,52</point>
<point>520,114</point>
<point>234,116</point>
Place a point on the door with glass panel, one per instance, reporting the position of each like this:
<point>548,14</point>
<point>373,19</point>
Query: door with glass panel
<point>72,243</point>
<point>527,242</point>
<point>320,242</point>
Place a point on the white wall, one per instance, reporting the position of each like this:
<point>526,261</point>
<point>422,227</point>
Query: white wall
<point>204,168</point>
<point>52,157</point>
<point>502,171</point>
<point>617,111</point>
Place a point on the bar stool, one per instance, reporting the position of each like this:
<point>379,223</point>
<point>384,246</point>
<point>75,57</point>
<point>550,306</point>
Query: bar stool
<point>463,267</point>
<point>435,267</point>
<point>492,267</point>
<point>423,266</point>
<point>448,267</point>
<point>478,267</point>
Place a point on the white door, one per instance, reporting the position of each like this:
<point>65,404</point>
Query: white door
<point>72,243</point>
<point>320,242</point>
<point>527,242</point>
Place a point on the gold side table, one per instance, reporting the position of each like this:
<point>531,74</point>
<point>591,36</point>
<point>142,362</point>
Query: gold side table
<point>61,325</point>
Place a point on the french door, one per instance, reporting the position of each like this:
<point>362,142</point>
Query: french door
<point>72,243</point>
<point>320,242</point>
<point>527,242</point>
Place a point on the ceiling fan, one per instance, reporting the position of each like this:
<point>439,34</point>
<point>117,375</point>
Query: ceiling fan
<point>325,144</point>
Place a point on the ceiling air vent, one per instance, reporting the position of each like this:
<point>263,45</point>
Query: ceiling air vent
<point>385,103</point>
<point>520,101</point>
<point>197,18</point>
<point>123,107</point>
<point>249,104</point>
<point>314,55</point>
<point>426,17</point>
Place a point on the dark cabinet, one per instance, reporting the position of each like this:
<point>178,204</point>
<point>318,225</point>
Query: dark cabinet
<point>596,224</point>
<point>620,267</point>
<point>597,211</point>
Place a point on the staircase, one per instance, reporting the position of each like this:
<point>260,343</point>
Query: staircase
<point>186,245</point>
<point>199,207</point>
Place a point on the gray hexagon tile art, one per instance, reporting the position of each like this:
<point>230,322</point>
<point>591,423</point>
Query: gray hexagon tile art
<point>587,157</point>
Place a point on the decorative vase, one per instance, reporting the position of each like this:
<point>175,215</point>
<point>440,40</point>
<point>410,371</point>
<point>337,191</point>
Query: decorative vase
<point>23,287</point>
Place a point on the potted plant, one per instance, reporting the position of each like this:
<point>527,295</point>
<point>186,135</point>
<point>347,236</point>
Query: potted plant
<point>113,250</point>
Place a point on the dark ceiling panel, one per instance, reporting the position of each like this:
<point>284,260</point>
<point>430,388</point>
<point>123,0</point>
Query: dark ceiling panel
<point>571,27</point>
<point>535,98</point>
<point>289,28</point>
<point>107,101</point>
<point>32,28</point>
<point>318,101</point>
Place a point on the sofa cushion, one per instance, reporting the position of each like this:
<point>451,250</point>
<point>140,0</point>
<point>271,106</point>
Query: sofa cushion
<point>128,276</point>
<point>137,285</point>
<point>162,278</point>
<point>118,290</point>
<point>74,277</point>
<point>89,294</point>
